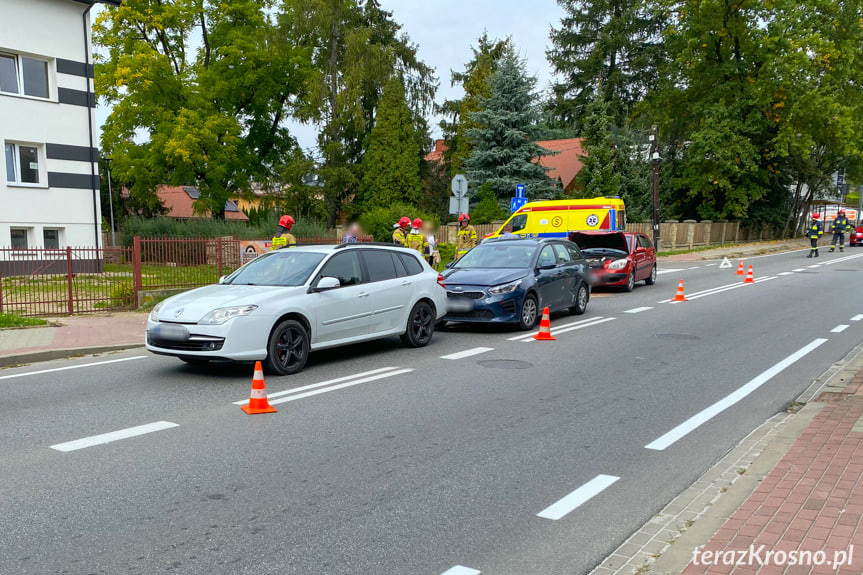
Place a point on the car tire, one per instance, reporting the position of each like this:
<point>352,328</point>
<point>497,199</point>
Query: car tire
<point>630,282</point>
<point>287,348</point>
<point>192,360</point>
<point>421,324</point>
<point>529,313</point>
<point>582,296</point>
<point>651,279</point>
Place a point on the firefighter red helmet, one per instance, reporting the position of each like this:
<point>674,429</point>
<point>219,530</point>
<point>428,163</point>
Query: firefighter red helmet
<point>841,213</point>
<point>286,222</point>
<point>417,223</point>
<point>463,217</point>
<point>816,216</point>
<point>404,222</point>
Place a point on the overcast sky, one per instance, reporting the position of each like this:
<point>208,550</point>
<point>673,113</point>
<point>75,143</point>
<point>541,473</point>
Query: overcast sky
<point>444,31</point>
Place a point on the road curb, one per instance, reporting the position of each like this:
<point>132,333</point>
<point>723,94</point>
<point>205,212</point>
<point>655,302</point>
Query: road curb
<point>11,359</point>
<point>664,545</point>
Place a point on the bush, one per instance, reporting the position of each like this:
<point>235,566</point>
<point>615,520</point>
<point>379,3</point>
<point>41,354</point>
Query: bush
<point>488,209</point>
<point>209,228</point>
<point>379,222</point>
<point>447,253</point>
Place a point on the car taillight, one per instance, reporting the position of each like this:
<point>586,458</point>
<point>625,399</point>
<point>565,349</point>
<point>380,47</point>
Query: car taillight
<point>440,281</point>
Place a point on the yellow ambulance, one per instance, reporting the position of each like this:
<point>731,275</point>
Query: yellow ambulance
<point>557,218</point>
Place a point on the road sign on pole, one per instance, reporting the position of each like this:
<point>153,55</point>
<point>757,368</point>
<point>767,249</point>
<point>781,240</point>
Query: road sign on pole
<point>458,205</point>
<point>520,190</point>
<point>459,186</point>
<point>516,203</point>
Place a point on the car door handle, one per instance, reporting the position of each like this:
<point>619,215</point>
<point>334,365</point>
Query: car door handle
<point>364,294</point>
<point>406,283</point>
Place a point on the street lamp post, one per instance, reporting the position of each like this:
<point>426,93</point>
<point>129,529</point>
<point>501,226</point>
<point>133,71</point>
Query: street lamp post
<point>654,158</point>
<point>111,202</point>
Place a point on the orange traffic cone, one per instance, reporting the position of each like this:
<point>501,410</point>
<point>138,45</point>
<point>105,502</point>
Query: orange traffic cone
<point>750,278</point>
<point>258,399</point>
<point>740,270</point>
<point>545,328</point>
<point>680,296</point>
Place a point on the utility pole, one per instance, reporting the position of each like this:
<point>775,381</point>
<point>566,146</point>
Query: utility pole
<point>654,157</point>
<point>859,206</point>
<point>111,202</point>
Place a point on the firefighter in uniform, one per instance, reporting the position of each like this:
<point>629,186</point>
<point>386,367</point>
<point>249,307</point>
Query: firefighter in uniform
<point>416,239</point>
<point>284,238</point>
<point>401,231</point>
<point>841,225</point>
<point>466,238</point>
<point>813,232</point>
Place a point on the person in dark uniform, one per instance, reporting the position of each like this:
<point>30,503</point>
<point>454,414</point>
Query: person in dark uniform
<point>815,231</point>
<point>840,227</point>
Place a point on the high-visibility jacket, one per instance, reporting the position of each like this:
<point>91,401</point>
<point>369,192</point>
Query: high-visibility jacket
<point>399,237</point>
<point>465,240</point>
<point>841,226</point>
<point>284,240</point>
<point>815,230</point>
<point>416,240</point>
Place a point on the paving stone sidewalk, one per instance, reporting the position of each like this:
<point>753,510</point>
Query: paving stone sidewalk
<point>738,251</point>
<point>76,332</point>
<point>811,502</point>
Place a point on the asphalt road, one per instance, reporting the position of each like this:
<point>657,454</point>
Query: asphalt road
<point>526,457</point>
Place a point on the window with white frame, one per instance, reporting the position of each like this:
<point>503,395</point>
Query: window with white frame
<point>51,238</point>
<point>22,163</point>
<point>19,238</point>
<point>23,76</point>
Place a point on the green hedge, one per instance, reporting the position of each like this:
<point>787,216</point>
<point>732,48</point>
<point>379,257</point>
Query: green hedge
<point>208,228</point>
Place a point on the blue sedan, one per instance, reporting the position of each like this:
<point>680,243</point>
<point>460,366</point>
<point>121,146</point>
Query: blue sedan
<point>512,280</point>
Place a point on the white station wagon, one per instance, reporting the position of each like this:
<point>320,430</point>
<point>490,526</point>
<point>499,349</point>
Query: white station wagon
<point>286,303</point>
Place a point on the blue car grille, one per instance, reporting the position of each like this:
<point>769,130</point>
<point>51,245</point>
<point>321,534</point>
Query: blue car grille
<point>467,294</point>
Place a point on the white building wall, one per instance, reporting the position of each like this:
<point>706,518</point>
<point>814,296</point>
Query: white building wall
<point>51,30</point>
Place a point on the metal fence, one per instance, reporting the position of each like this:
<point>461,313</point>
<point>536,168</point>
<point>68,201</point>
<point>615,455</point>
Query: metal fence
<point>50,282</point>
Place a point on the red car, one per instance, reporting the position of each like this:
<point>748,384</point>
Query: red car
<point>618,258</point>
<point>856,237</point>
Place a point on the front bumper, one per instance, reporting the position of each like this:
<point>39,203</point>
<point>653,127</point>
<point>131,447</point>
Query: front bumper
<point>855,240</point>
<point>602,277</point>
<point>489,308</point>
<point>239,339</point>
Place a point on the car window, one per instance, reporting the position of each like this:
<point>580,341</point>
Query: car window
<point>644,242</point>
<point>574,253</point>
<point>547,257</point>
<point>379,265</point>
<point>280,268</point>
<point>345,267</point>
<point>411,264</point>
<point>563,256</point>
<point>518,222</point>
<point>497,255</point>
<point>400,266</point>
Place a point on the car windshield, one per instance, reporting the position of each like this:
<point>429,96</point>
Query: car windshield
<point>498,255</point>
<point>287,267</point>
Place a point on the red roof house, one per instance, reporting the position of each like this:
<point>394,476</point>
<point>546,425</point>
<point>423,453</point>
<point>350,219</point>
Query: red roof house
<point>179,201</point>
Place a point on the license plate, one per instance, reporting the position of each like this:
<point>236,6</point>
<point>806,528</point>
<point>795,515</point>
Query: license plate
<point>170,332</point>
<point>459,304</point>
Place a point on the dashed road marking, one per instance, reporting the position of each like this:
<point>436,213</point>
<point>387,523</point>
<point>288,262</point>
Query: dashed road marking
<point>554,329</point>
<point>668,271</point>
<point>467,353</point>
<point>73,367</point>
<point>563,330</point>
<point>578,497</point>
<point>857,317</point>
<point>815,266</point>
<point>113,436</point>
<point>693,268</point>
<point>786,273</point>
<point>321,384</point>
<point>840,328</point>
<point>340,386</point>
<point>729,400</point>
<point>799,270</point>
<point>709,265</point>
<point>638,310</point>
<point>461,570</point>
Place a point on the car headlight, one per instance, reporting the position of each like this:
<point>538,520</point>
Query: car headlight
<point>504,288</point>
<point>154,314</point>
<point>617,264</point>
<point>223,314</point>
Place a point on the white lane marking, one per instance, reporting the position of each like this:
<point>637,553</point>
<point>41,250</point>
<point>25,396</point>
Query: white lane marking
<point>815,266</point>
<point>709,265</point>
<point>461,570</point>
<point>840,328</point>
<point>842,259</point>
<point>786,273</point>
<point>720,289</point>
<point>73,367</point>
<point>467,353</point>
<point>664,301</point>
<point>560,331</point>
<point>114,436</point>
<point>707,414</point>
<point>340,386</point>
<point>321,384</point>
<point>638,310</point>
<point>693,268</point>
<point>553,329</point>
<point>799,270</point>
<point>581,495</point>
<point>668,271</point>
<point>857,317</point>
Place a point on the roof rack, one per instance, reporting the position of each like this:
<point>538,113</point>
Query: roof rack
<point>371,244</point>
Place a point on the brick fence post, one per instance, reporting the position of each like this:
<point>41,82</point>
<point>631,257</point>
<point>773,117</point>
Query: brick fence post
<point>690,232</point>
<point>69,280</point>
<point>673,233</point>
<point>137,279</point>
<point>219,256</point>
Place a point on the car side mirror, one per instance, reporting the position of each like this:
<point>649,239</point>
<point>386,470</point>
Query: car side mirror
<point>222,279</point>
<point>640,250</point>
<point>546,267</point>
<point>449,265</point>
<point>326,284</point>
